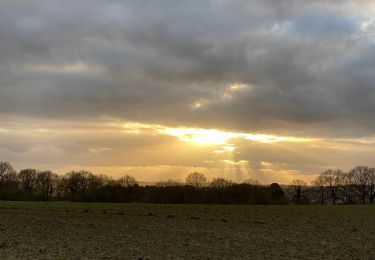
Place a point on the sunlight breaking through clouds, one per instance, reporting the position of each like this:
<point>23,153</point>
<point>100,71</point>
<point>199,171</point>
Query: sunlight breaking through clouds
<point>202,136</point>
<point>240,162</point>
<point>139,85</point>
<point>108,143</point>
<point>226,149</point>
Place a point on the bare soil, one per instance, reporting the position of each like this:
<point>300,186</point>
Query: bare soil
<point>62,230</point>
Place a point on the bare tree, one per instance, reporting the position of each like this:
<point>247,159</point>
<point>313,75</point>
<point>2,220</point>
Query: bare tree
<point>76,184</point>
<point>27,179</point>
<point>7,173</point>
<point>319,189</point>
<point>347,187</point>
<point>95,182</point>
<point>331,179</point>
<point>250,181</point>
<point>8,181</point>
<point>361,178</point>
<point>371,185</point>
<point>61,184</point>
<point>46,183</point>
<point>220,183</point>
<point>297,189</point>
<point>105,180</point>
<point>128,181</point>
<point>196,179</point>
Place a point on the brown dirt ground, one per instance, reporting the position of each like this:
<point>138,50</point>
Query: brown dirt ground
<point>61,230</point>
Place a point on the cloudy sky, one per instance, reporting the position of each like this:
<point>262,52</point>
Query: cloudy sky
<point>273,90</point>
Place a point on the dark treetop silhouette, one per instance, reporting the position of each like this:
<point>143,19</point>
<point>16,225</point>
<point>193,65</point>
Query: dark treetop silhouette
<point>332,186</point>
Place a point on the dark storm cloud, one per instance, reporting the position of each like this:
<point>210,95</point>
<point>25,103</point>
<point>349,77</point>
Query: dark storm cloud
<point>309,64</point>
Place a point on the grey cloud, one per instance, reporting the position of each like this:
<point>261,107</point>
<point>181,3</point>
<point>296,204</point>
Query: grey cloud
<point>308,75</point>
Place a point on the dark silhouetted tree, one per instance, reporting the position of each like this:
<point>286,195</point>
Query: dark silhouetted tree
<point>319,189</point>
<point>347,187</point>
<point>8,181</point>
<point>46,183</point>
<point>371,184</point>
<point>220,183</point>
<point>76,184</point>
<point>331,179</point>
<point>7,173</point>
<point>196,180</point>
<point>127,181</point>
<point>27,178</point>
<point>251,182</point>
<point>297,191</point>
<point>277,194</point>
<point>361,178</point>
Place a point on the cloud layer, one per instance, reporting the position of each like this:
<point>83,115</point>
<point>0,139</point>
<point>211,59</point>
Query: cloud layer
<point>286,68</point>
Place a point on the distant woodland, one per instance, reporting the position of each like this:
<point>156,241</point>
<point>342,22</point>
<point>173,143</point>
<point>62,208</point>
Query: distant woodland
<point>330,187</point>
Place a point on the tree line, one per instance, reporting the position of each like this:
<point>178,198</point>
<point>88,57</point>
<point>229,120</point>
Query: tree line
<point>31,184</point>
<point>334,186</point>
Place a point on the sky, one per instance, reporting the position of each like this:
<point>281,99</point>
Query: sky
<point>273,90</point>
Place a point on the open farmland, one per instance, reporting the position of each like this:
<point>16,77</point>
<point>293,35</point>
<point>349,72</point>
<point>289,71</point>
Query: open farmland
<point>133,231</point>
